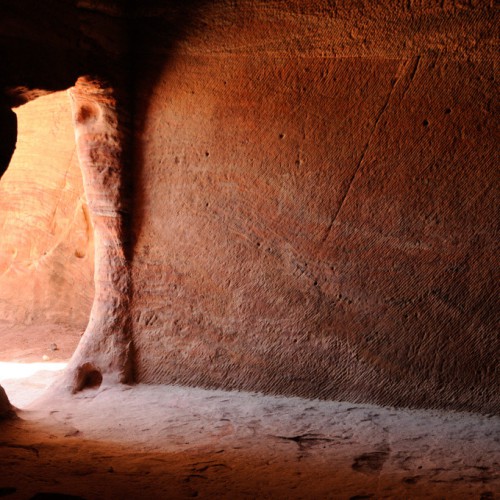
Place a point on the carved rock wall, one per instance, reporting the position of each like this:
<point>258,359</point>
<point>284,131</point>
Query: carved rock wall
<point>101,132</point>
<point>313,194</point>
<point>315,203</point>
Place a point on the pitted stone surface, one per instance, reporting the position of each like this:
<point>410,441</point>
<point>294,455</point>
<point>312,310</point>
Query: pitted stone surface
<point>292,197</point>
<point>315,216</point>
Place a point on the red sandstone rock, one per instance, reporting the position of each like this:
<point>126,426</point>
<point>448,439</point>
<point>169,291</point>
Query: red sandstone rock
<point>105,349</point>
<point>46,245</point>
<point>316,207</point>
<point>313,196</point>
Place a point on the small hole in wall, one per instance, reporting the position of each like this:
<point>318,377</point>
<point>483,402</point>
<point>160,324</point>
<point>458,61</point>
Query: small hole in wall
<point>87,377</point>
<point>87,113</point>
<point>425,123</point>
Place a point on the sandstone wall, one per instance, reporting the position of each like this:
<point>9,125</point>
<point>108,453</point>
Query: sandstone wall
<point>313,193</point>
<point>315,201</point>
<point>46,250</point>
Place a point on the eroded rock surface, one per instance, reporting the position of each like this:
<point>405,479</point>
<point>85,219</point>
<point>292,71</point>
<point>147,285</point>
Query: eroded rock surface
<point>315,204</point>
<point>312,205</point>
<point>105,349</point>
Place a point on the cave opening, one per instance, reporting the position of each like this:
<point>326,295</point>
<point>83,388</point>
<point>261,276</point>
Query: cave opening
<point>47,250</point>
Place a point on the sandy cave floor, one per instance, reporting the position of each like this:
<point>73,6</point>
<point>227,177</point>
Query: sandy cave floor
<point>162,442</point>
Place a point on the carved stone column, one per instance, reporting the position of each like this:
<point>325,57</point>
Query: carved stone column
<point>101,130</point>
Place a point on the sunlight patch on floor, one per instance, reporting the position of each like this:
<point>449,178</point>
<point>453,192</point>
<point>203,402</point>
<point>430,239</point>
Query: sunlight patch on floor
<point>25,382</point>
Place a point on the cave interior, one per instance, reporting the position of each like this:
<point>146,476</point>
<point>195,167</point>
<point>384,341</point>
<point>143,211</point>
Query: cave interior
<point>249,249</point>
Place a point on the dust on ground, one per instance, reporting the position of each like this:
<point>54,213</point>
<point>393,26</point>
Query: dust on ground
<point>160,442</point>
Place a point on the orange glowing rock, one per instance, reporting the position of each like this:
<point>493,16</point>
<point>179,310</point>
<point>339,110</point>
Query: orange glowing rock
<point>46,250</point>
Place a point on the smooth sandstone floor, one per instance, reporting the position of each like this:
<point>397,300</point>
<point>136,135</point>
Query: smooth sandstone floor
<point>166,442</point>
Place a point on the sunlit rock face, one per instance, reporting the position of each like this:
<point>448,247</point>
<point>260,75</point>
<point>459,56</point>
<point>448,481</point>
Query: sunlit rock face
<point>80,42</point>
<point>46,250</point>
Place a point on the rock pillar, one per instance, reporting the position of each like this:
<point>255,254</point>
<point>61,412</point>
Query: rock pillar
<point>101,130</point>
